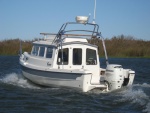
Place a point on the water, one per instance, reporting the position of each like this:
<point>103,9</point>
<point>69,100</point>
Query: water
<point>18,95</point>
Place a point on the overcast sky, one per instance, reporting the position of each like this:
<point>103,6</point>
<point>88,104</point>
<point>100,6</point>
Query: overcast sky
<point>25,19</point>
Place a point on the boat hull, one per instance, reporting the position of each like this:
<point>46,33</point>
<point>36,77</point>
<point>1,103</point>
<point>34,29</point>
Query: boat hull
<point>57,79</point>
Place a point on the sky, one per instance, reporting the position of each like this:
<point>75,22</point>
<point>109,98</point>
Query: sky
<point>25,19</point>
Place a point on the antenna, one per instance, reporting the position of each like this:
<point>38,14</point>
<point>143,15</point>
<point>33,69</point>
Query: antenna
<point>94,12</point>
<point>20,50</point>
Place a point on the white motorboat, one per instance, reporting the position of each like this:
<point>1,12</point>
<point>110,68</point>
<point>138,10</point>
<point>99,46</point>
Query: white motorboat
<point>67,59</point>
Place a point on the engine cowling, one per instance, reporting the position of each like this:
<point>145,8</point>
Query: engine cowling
<point>114,76</point>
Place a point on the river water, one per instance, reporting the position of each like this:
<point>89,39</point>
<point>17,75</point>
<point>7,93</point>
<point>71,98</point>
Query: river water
<point>18,95</point>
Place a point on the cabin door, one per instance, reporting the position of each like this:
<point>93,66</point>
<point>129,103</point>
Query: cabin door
<point>63,58</point>
<point>76,59</point>
<point>92,64</point>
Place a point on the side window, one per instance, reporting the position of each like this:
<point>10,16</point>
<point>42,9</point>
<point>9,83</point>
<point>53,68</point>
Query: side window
<point>35,50</point>
<point>91,57</point>
<point>42,50</point>
<point>65,55</point>
<point>49,52</point>
<point>77,56</point>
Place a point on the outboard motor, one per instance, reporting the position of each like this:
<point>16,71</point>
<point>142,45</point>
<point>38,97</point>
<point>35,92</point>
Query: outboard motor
<point>116,76</point>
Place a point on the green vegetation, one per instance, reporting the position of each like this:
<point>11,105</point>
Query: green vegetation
<point>120,46</point>
<point>11,46</point>
<point>124,46</point>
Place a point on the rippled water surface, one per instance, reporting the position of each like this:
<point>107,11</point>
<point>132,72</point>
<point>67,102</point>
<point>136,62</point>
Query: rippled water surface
<point>18,95</point>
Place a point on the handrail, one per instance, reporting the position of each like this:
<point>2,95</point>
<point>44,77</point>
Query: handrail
<point>66,34</point>
<point>63,27</point>
<point>48,34</point>
<point>81,31</point>
<point>105,51</point>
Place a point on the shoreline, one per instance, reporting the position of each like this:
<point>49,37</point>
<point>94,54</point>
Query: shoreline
<point>117,47</point>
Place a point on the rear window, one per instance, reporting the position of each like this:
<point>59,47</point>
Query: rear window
<point>91,57</point>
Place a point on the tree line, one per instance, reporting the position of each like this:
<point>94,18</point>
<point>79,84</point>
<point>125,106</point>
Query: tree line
<point>12,46</point>
<point>125,46</point>
<point>117,46</point>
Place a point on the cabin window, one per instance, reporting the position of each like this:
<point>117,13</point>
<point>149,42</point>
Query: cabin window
<point>42,50</point>
<point>77,56</point>
<point>35,50</point>
<point>63,56</point>
<point>91,57</point>
<point>49,52</point>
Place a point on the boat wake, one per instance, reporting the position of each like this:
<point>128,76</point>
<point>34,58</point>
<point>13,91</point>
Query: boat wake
<point>137,95</point>
<point>18,80</point>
